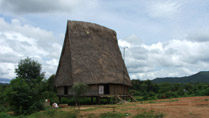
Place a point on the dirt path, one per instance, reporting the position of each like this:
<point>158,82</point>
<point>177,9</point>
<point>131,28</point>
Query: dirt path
<point>188,107</point>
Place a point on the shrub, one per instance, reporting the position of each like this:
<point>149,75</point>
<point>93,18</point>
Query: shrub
<point>23,98</point>
<point>150,114</point>
<point>79,89</point>
<point>4,115</point>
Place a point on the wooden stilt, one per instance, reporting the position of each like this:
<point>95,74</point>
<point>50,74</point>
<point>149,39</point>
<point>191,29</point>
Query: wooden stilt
<point>60,100</point>
<point>92,100</point>
<point>98,100</point>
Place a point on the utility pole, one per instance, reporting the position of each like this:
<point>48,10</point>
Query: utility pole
<point>124,55</point>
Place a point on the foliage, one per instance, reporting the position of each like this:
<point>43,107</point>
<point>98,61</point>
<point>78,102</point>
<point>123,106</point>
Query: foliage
<point>52,113</point>
<point>49,91</point>
<point>25,93</point>
<point>79,89</point>
<point>4,107</point>
<point>150,91</point>
<point>112,115</point>
<point>29,70</point>
<point>23,98</point>
<point>4,115</point>
<point>149,114</point>
<point>50,86</point>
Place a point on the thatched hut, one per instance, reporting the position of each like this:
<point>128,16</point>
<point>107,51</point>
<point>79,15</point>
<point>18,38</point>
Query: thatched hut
<point>91,55</point>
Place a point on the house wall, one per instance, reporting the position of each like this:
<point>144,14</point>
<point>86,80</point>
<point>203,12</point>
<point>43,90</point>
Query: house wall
<point>118,89</point>
<point>93,90</point>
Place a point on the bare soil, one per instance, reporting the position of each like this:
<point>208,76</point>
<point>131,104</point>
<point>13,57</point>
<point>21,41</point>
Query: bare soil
<point>188,107</point>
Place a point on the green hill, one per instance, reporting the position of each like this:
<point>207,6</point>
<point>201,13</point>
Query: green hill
<point>202,77</point>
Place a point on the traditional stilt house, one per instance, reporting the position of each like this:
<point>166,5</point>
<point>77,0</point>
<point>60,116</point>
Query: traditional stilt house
<point>91,55</point>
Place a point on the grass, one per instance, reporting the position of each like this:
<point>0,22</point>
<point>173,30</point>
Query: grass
<point>89,109</point>
<point>91,115</point>
<point>53,113</point>
<point>149,114</point>
<point>156,101</point>
<point>169,100</point>
<point>138,98</point>
<point>85,101</point>
<point>112,115</point>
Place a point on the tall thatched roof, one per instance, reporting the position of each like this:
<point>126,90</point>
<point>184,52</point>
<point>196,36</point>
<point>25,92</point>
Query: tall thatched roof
<point>90,55</point>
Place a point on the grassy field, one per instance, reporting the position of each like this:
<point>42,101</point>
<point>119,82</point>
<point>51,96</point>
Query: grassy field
<point>188,107</point>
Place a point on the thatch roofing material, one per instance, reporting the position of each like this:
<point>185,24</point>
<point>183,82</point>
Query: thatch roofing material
<point>90,55</point>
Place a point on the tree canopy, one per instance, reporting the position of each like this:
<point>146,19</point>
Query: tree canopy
<point>29,70</point>
<point>25,93</point>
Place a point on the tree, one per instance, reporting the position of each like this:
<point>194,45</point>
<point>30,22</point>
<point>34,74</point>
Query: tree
<point>29,70</point>
<point>50,90</point>
<point>79,89</point>
<point>23,98</point>
<point>50,83</point>
<point>25,93</point>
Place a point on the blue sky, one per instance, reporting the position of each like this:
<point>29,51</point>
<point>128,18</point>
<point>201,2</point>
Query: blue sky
<point>165,37</point>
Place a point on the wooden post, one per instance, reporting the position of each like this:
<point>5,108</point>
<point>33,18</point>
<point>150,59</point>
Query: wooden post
<point>60,100</point>
<point>92,100</point>
<point>99,100</point>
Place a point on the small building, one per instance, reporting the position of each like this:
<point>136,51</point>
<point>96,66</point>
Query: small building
<point>91,55</point>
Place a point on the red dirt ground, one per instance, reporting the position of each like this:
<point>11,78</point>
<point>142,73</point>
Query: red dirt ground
<point>188,107</point>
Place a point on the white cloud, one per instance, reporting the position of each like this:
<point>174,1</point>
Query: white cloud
<point>123,43</point>
<point>19,41</point>
<point>163,9</point>
<point>7,70</point>
<point>163,59</point>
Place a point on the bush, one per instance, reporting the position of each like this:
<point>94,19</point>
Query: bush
<point>4,115</point>
<point>24,93</point>
<point>51,96</point>
<point>4,108</point>
<point>150,114</point>
<point>23,98</point>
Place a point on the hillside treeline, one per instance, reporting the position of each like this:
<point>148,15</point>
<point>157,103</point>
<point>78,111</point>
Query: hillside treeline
<point>149,90</point>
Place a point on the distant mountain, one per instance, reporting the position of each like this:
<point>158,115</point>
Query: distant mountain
<point>202,76</point>
<point>4,81</point>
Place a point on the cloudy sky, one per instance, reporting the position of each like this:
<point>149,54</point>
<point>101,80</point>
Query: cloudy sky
<point>164,37</point>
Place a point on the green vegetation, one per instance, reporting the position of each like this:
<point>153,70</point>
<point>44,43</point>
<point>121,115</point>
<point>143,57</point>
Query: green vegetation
<point>25,94</point>
<point>149,114</point>
<point>53,113</point>
<point>152,91</point>
<point>24,99</point>
<point>50,113</point>
<point>79,89</point>
<point>30,71</point>
<point>112,115</point>
<point>5,115</point>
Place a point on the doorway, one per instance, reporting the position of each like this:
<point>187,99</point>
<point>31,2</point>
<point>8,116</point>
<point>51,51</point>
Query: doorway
<point>106,89</point>
<point>65,90</point>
